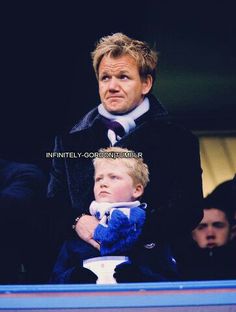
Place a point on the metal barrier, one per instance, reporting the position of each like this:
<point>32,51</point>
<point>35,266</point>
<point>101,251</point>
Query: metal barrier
<point>165,296</point>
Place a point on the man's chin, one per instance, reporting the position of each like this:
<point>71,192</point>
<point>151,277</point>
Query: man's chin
<point>116,109</point>
<point>211,246</point>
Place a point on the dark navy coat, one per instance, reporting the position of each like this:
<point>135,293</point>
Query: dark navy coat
<point>174,194</point>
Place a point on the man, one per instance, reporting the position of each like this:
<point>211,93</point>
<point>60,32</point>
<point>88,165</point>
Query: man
<point>213,230</point>
<point>211,254</point>
<point>130,116</point>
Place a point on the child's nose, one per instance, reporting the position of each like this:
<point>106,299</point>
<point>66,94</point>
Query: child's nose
<point>103,183</point>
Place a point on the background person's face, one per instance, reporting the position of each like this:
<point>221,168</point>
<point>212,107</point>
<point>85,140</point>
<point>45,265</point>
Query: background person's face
<point>120,86</point>
<point>113,183</point>
<point>213,231</point>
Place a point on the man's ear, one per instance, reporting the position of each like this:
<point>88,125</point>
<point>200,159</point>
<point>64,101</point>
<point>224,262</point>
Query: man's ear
<point>147,84</point>
<point>138,191</point>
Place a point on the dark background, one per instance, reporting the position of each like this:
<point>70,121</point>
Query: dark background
<point>47,80</point>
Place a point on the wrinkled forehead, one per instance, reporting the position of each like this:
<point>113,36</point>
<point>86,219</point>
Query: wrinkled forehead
<point>119,63</point>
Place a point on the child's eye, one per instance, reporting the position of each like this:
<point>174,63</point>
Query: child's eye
<point>114,177</point>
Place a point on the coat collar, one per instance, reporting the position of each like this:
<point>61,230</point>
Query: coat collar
<point>156,111</point>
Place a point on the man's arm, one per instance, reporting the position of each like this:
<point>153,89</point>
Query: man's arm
<point>175,208</point>
<point>59,203</point>
<point>68,269</point>
<point>57,187</point>
<point>85,228</point>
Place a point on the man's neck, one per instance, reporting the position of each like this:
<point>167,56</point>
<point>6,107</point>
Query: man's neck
<point>135,113</point>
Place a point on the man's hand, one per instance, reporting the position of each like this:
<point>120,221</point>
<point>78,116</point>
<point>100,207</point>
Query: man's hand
<point>85,228</point>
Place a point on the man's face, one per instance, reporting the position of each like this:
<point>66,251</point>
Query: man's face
<point>120,86</point>
<point>213,231</point>
<point>114,184</point>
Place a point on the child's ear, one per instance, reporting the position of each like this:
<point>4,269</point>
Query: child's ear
<point>138,190</point>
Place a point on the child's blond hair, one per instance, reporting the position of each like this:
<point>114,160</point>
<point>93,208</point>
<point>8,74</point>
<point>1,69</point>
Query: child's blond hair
<point>137,169</point>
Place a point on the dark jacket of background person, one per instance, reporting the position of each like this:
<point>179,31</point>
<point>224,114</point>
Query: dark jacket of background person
<point>22,225</point>
<point>217,263</point>
<point>174,194</point>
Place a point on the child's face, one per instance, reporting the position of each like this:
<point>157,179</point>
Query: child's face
<point>113,183</point>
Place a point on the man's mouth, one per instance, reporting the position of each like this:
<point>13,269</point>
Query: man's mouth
<point>211,245</point>
<point>114,97</point>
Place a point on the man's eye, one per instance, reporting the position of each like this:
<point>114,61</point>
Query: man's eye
<point>124,77</point>
<point>104,78</point>
<point>114,177</point>
<point>219,225</point>
<point>201,226</point>
<point>98,179</point>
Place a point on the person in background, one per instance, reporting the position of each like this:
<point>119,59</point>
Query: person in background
<point>211,253</point>
<point>22,241</point>
<point>129,116</point>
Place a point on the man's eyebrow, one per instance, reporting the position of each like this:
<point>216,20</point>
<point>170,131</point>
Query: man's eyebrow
<point>218,223</point>
<point>104,72</point>
<point>124,71</point>
<point>202,224</point>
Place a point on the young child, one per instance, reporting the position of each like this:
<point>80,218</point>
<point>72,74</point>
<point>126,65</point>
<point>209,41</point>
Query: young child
<point>119,182</point>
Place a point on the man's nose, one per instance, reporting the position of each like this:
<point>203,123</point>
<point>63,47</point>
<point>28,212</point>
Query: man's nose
<point>113,84</point>
<point>210,232</point>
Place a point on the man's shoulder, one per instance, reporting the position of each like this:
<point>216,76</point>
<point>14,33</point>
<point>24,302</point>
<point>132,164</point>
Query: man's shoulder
<point>86,121</point>
<point>169,128</point>
<point>159,118</point>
